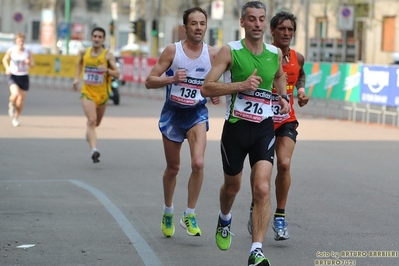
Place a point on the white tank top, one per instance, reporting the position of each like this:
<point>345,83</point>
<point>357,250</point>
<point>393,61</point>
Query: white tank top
<point>18,66</point>
<point>187,94</point>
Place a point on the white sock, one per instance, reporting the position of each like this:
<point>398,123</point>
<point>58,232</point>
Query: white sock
<point>189,211</point>
<point>225,217</point>
<point>168,210</point>
<point>93,150</point>
<point>256,245</point>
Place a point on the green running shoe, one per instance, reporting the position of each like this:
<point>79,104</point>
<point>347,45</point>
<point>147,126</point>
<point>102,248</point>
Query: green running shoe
<point>258,259</point>
<point>168,225</point>
<point>223,234</point>
<point>189,223</point>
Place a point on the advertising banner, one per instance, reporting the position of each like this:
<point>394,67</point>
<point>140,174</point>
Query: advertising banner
<point>333,81</point>
<point>136,68</point>
<point>55,66</point>
<point>380,85</point>
<point>62,66</point>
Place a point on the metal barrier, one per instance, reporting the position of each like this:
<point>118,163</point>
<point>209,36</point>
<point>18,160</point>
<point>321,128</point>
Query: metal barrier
<point>356,112</point>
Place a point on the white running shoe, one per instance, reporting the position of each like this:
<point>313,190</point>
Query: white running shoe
<point>15,122</point>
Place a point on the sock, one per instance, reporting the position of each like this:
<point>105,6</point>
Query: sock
<point>93,150</point>
<point>256,245</point>
<point>279,213</point>
<point>189,211</point>
<point>168,210</point>
<point>226,217</point>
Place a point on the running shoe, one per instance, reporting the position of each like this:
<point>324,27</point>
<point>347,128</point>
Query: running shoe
<point>280,229</point>
<point>168,225</point>
<point>249,225</point>
<point>223,234</point>
<point>15,122</point>
<point>258,259</point>
<point>95,157</point>
<point>189,223</point>
<point>11,109</point>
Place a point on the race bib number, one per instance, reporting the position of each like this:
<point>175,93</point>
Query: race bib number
<point>277,117</point>
<point>187,93</point>
<point>253,106</point>
<point>93,76</point>
<point>21,66</point>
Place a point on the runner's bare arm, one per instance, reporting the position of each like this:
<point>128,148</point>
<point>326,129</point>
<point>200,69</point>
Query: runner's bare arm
<point>79,68</point>
<point>212,54</point>
<point>302,76</point>
<point>156,79</point>
<point>300,84</point>
<point>112,69</point>
<point>280,83</point>
<point>5,61</point>
<point>31,60</point>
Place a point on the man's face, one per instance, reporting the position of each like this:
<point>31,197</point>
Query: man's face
<point>254,23</point>
<point>283,33</point>
<point>97,39</point>
<point>19,41</point>
<point>196,26</point>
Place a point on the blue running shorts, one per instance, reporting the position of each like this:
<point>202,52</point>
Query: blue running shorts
<point>175,122</point>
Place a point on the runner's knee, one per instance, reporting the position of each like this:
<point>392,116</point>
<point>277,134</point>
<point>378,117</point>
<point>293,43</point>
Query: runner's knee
<point>91,122</point>
<point>197,164</point>
<point>284,165</point>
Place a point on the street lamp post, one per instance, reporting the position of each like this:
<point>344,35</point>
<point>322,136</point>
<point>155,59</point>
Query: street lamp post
<point>114,18</point>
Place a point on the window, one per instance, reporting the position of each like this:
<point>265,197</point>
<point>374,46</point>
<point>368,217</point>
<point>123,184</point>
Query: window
<point>94,5</point>
<point>321,27</point>
<point>388,34</point>
<point>35,30</point>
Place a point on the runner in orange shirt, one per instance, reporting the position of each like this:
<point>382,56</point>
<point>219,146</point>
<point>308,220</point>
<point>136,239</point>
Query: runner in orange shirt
<point>283,27</point>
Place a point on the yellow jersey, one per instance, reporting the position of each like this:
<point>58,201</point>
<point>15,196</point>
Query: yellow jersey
<point>96,83</point>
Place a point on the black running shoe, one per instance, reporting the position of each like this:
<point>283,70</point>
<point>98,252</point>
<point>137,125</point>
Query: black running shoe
<point>95,157</point>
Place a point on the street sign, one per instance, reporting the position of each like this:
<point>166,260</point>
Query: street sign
<point>18,17</point>
<point>217,10</point>
<point>346,17</point>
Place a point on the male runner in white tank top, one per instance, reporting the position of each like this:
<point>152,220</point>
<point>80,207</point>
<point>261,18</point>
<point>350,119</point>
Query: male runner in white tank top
<point>184,115</point>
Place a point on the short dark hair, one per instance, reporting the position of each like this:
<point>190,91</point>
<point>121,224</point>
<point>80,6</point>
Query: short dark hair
<point>280,17</point>
<point>98,29</point>
<point>191,10</point>
<point>252,4</point>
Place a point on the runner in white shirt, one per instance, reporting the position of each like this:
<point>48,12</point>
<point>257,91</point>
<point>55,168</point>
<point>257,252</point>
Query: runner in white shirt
<point>17,61</point>
<point>184,115</point>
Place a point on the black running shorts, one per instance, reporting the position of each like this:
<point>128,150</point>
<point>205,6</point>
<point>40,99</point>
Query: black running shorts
<point>21,81</point>
<point>244,137</point>
<point>288,130</point>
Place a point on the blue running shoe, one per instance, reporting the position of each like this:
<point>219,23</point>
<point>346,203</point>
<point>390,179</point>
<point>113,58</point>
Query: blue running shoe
<point>280,229</point>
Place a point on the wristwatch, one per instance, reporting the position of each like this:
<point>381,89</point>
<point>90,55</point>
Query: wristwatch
<point>285,97</point>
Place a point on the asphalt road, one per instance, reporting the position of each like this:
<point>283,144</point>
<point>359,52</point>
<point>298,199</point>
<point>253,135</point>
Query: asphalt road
<point>344,195</point>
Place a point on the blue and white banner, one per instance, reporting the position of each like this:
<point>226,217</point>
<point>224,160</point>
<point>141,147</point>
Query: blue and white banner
<point>380,85</point>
